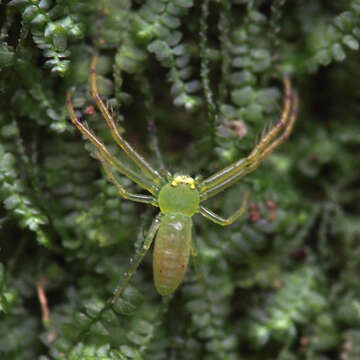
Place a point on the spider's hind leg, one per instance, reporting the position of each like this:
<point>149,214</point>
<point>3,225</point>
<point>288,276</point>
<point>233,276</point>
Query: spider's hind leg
<point>138,258</point>
<point>198,272</point>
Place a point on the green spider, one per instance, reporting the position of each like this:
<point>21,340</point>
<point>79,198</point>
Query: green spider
<point>179,197</point>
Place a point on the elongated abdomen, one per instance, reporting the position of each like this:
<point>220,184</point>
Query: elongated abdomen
<point>171,252</point>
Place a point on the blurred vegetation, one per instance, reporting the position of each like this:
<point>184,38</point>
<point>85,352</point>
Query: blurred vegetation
<point>192,84</point>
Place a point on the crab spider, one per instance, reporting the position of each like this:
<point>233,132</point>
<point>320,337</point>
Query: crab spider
<point>179,197</point>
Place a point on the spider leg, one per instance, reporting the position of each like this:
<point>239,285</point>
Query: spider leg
<point>229,175</point>
<point>252,164</point>
<point>130,152</point>
<point>195,260</point>
<point>268,150</point>
<point>138,258</point>
<point>144,183</point>
<point>264,141</point>
<point>147,199</point>
<point>228,221</point>
<point>199,274</point>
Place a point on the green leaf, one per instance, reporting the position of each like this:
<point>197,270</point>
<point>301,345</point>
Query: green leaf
<point>243,96</point>
<point>351,42</point>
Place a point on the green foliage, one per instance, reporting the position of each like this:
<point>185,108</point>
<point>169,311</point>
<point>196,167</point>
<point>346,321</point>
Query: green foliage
<point>14,194</point>
<point>99,324</point>
<point>329,43</point>
<point>158,24</point>
<point>247,53</point>
<point>50,29</point>
<point>295,302</point>
<point>7,296</point>
<point>192,86</point>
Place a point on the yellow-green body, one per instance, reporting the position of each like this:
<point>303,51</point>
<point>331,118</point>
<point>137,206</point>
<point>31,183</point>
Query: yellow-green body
<point>178,202</point>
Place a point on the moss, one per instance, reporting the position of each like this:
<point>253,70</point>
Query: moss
<point>192,87</point>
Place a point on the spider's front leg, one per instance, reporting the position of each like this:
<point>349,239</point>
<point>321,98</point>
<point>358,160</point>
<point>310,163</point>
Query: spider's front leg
<point>268,143</point>
<point>143,182</point>
<point>260,156</point>
<point>124,145</point>
<point>288,101</point>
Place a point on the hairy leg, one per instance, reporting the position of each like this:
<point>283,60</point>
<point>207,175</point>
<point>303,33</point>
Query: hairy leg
<point>143,182</point>
<point>225,177</point>
<point>132,154</point>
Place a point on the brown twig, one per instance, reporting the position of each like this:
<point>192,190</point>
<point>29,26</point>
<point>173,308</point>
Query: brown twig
<point>45,308</point>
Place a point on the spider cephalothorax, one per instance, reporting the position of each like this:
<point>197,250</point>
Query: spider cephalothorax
<point>178,197</point>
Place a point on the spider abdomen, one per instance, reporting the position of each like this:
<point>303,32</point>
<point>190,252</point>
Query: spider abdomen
<point>171,252</point>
